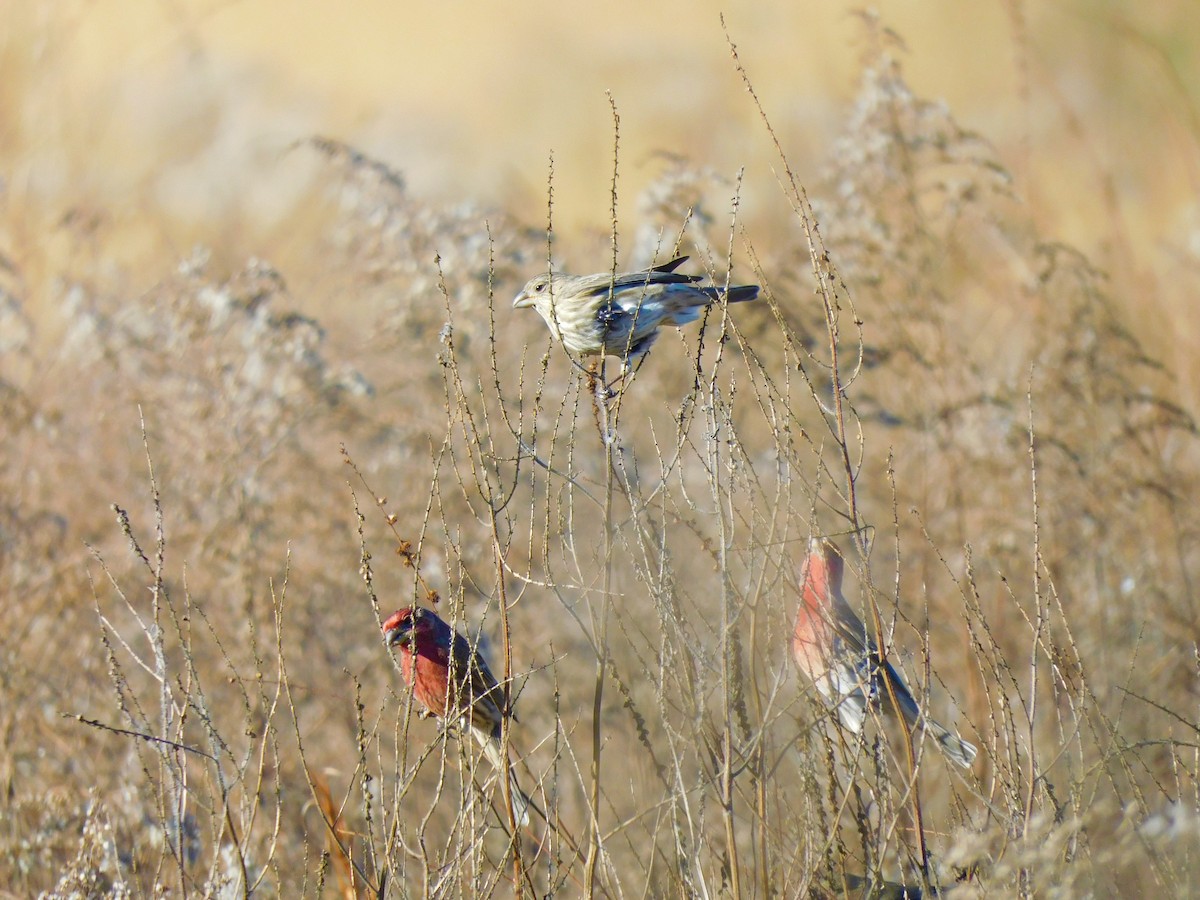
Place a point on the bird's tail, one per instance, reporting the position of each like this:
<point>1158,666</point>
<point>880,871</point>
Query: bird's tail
<point>742,293</point>
<point>520,802</point>
<point>958,750</point>
<point>736,294</point>
<point>492,750</point>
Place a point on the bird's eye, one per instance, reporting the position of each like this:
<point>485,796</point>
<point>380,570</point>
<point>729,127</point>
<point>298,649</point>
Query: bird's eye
<point>541,286</point>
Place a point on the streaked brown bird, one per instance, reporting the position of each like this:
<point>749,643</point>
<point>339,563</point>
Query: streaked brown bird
<point>832,646</point>
<point>607,315</point>
<point>452,681</point>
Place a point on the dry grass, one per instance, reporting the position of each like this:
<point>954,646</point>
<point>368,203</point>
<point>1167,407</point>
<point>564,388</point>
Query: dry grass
<point>195,699</point>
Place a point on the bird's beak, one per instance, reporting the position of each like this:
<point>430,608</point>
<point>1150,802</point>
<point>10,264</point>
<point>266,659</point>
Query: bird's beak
<point>523,301</point>
<point>400,634</point>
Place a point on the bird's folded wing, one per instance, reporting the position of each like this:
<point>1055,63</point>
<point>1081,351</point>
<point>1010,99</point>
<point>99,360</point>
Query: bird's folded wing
<point>593,285</point>
<point>669,266</point>
<point>850,629</point>
<point>481,682</point>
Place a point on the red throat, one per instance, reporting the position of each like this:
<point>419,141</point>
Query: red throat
<point>822,576</point>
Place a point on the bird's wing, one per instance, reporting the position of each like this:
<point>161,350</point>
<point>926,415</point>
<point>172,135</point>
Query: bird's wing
<point>860,646</point>
<point>595,285</point>
<point>821,593</point>
<point>669,266</point>
<point>849,627</point>
<point>482,683</point>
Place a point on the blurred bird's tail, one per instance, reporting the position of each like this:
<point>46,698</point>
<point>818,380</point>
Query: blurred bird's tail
<point>742,293</point>
<point>521,803</point>
<point>958,750</point>
<point>492,750</point>
<point>736,294</point>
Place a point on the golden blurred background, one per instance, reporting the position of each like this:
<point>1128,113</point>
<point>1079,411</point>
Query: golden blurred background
<point>172,121</point>
<point>133,132</point>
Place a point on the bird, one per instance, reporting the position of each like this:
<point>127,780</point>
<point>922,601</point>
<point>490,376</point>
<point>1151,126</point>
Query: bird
<point>833,647</point>
<point>452,681</point>
<point>619,315</point>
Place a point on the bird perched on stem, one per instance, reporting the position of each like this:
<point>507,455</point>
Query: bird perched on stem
<point>833,647</point>
<point>619,315</point>
<point>452,681</point>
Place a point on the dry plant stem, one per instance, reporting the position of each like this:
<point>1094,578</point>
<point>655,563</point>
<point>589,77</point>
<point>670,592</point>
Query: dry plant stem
<point>344,874</point>
<point>148,738</point>
<point>608,439</point>
<point>191,699</point>
<point>1040,620</point>
<point>495,505</point>
<point>501,565</point>
<point>822,266</point>
<point>506,774</point>
<point>912,787</point>
<point>277,601</point>
<point>159,597</point>
<point>600,399</point>
<point>825,276</point>
<point>172,762</point>
<point>404,548</point>
<point>728,660</point>
<point>759,762</point>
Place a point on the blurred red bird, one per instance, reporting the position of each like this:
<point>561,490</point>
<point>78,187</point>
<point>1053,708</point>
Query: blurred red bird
<point>834,649</point>
<point>453,682</point>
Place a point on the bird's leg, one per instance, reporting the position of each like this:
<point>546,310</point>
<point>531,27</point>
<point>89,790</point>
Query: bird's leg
<point>586,370</point>
<point>447,727</point>
<point>628,370</point>
<point>603,409</point>
<point>638,351</point>
<point>618,384</point>
<point>593,381</point>
<point>624,378</point>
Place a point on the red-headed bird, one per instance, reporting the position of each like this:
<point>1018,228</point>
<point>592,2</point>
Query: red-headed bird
<point>607,315</point>
<point>453,682</point>
<point>834,649</point>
